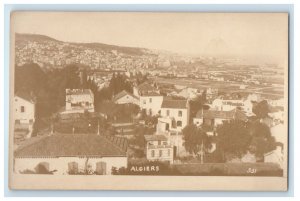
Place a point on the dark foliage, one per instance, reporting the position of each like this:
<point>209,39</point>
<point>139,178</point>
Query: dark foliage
<point>194,137</point>
<point>48,88</point>
<point>237,137</point>
<point>261,109</point>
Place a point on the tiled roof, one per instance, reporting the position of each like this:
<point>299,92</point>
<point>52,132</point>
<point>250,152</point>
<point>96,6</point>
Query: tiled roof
<point>78,91</point>
<point>146,87</point>
<point>64,145</point>
<point>155,137</point>
<point>170,103</point>
<point>212,114</point>
<point>122,94</point>
<point>26,96</point>
<point>151,93</point>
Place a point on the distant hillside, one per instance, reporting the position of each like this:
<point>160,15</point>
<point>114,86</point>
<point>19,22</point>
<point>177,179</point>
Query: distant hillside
<point>20,37</point>
<point>33,37</point>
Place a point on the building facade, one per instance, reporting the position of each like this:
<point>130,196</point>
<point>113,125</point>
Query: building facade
<point>174,115</point>
<point>79,101</point>
<point>24,109</point>
<point>151,103</point>
<point>158,148</point>
<point>213,118</point>
<point>150,99</point>
<point>64,154</point>
<point>125,97</point>
<point>227,105</point>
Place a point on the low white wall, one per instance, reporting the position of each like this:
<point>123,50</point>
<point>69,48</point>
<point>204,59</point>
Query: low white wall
<point>61,164</point>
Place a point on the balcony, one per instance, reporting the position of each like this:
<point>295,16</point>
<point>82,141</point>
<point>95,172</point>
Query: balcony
<point>159,146</point>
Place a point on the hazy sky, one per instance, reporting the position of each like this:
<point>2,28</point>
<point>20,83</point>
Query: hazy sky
<point>246,34</point>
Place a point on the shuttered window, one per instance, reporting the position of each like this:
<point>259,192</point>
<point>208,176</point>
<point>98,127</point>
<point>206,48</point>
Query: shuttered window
<point>160,153</point>
<point>101,168</point>
<point>152,153</point>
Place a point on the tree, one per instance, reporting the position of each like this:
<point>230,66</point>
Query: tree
<point>30,78</point>
<point>197,142</point>
<point>196,105</point>
<point>140,132</point>
<point>262,140</point>
<point>119,83</point>
<point>261,109</point>
<point>233,138</point>
<point>140,78</point>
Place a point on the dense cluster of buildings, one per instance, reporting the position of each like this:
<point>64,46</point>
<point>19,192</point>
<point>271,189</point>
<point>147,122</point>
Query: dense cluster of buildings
<point>169,102</point>
<point>173,112</point>
<point>56,54</point>
<point>166,143</point>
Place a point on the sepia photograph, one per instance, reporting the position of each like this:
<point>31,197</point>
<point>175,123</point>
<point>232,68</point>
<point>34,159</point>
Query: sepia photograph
<point>148,101</point>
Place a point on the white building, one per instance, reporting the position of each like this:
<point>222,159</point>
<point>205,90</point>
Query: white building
<point>64,154</point>
<point>24,114</point>
<point>125,97</point>
<point>227,105</point>
<point>190,93</point>
<point>24,108</point>
<point>277,103</point>
<point>151,103</point>
<point>278,155</point>
<point>158,148</point>
<point>144,89</point>
<point>149,98</point>
<point>174,115</point>
<point>79,101</point>
<point>211,93</point>
<point>254,97</point>
<point>214,118</point>
<point>277,116</point>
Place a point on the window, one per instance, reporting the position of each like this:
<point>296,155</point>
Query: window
<point>179,123</point>
<point>160,153</point>
<point>168,112</point>
<point>169,152</point>
<point>180,113</point>
<point>150,100</point>
<point>101,168</point>
<point>159,142</point>
<point>167,127</point>
<point>173,123</point>
<point>144,102</point>
<point>22,109</point>
<point>152,153</point>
